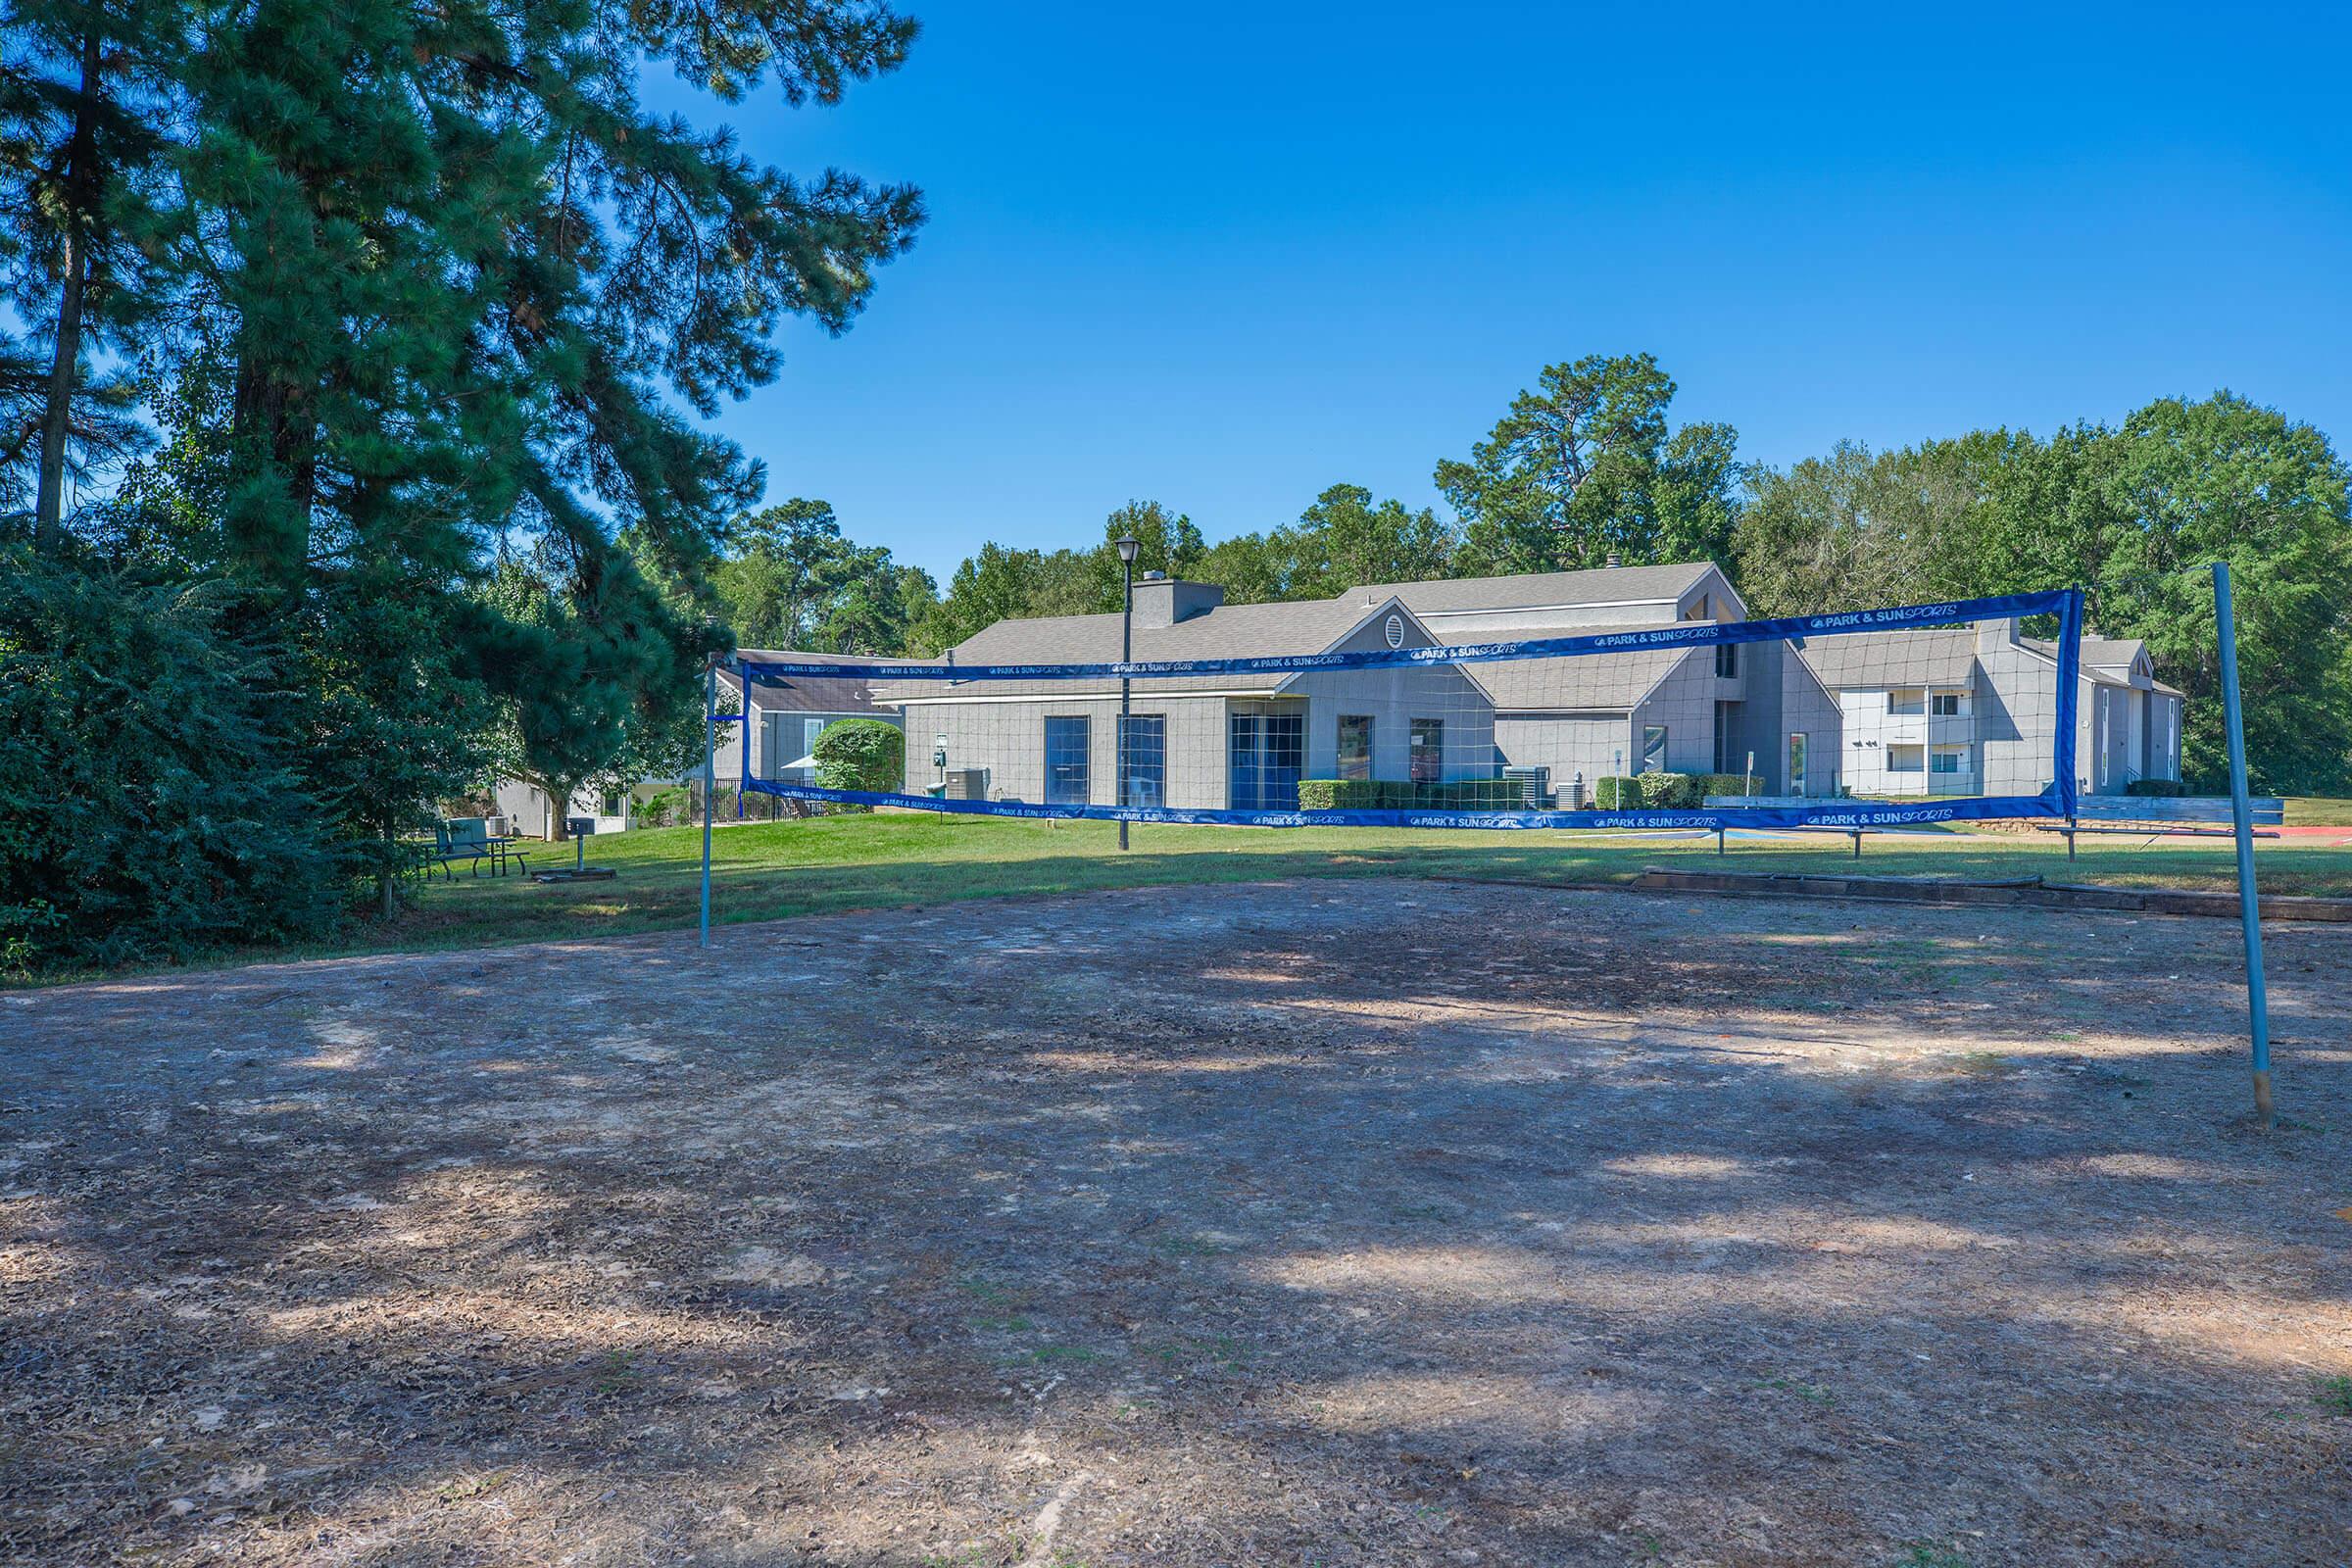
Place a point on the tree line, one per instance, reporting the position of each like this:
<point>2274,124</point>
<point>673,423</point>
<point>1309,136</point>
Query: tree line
<point>1587,465</point>
<point>348,437</point>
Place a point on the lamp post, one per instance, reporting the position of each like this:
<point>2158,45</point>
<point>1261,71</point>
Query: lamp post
<point>1128,545</point>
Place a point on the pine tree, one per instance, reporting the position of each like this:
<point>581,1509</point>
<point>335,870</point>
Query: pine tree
<point>85,100</point>
<point>455,274</point>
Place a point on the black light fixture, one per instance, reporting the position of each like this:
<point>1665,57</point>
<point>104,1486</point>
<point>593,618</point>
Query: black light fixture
<point>1129,544</point>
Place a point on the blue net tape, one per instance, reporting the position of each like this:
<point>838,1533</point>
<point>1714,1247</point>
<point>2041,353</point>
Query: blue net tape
<point>1840,814</point>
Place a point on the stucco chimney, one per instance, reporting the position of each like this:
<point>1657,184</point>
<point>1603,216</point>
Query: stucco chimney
<point>1163,600</point>
<point>1996,634</point>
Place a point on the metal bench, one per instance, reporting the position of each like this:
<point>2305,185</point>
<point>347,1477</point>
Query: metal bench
<point>2155,817</point>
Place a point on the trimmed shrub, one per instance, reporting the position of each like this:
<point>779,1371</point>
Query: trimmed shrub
<point>1402,795</point>
<point>860,754</point>
<point>1723,784</point>
<point>1666,792</point>
<point>1616,793</point>
<point>2161,788</point>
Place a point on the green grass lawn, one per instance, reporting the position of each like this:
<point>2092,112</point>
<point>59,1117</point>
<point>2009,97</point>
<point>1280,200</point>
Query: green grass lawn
<point>2313,811</point>
<point>764,872</point>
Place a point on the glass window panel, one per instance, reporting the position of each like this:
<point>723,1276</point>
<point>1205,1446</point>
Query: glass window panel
<point>1428,751</point>
<point>1356,745</point>
<point>1068,742</point>
<point>1143,759</point>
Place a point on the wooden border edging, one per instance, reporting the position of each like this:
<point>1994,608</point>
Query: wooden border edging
<point>2023,890</point>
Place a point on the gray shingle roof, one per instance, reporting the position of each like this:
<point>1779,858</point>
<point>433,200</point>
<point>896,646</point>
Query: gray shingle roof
<point>1531,590</point>
<point>2100,671</point>
<point>805,694</point>
<point>1608,683</point>
<point>1869,660</point>
<point>1229,631</point>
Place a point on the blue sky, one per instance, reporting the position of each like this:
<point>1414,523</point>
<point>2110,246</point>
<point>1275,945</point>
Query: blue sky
<point>1225,257</point>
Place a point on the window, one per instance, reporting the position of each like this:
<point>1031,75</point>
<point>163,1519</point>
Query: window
<point>1949,759</point>
<point>1356,745</point>
<point>1906,759</point>
<point>810,729</point>
<point>1906,700</point>
<point>1066,748</point>
<point>612,803</point>
<point>1428,751</point>
<point>1654,749</point>
<point>1727,660</point>
<point>1944,705</point>
<point>1143,759</point>
<point>1796,764</point>
<point>1267,753</point>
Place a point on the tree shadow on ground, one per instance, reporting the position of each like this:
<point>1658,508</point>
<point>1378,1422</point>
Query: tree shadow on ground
<point>1375,1223</point>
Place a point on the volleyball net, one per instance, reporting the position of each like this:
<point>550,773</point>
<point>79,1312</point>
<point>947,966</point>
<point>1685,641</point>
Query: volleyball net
<point>1337,713</point>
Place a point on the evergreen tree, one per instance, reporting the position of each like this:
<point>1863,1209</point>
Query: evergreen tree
<point>85,100</point>
<point>2189,483</point>
<point>458,272</point>
<point>1345,541</point>
<point>792,580</point>
<point>1584,467</point>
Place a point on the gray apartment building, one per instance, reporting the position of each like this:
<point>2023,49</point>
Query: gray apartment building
<point>1931,713</point>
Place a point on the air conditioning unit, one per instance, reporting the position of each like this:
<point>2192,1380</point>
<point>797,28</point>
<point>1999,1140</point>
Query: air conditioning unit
<point>1534,782</point>
<point>967,784</point>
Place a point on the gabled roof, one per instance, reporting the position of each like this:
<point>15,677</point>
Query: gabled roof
<point>1229,631</point>
<point>1869,661</point>
<point>1608,683</point>
<point>1541,590</point>
<point>1946,656</point>
<point>2106,670</point>
<point>807,694</point>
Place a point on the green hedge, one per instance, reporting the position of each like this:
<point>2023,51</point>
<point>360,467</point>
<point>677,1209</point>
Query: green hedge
<point>1667,792</point>
<point>2165,788</point>
<point>860,754</point>
<point>1400,795</point>
<point>1725,784</point>
<point>1616,794</point>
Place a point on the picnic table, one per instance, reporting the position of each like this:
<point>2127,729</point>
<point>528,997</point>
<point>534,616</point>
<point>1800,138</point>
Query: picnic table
<point>468,839</point>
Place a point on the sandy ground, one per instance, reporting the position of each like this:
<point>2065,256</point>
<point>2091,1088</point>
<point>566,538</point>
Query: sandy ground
<point>1378,1222</point>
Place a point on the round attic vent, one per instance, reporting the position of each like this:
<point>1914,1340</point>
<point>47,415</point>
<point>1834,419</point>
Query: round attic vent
<point>1395,631</point>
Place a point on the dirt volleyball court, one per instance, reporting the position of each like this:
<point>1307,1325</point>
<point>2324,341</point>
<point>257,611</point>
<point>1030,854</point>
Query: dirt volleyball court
<point>1376,1222</point>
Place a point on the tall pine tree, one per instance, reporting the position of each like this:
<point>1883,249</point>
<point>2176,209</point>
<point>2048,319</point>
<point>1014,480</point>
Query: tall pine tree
<point>86,104</point>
